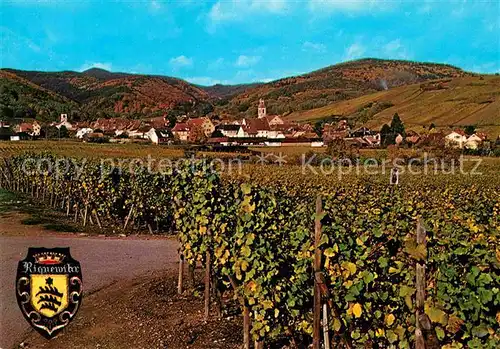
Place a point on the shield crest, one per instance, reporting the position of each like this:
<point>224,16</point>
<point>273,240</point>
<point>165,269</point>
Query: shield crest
<point>49,289</point>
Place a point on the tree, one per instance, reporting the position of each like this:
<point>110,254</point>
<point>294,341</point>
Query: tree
<point>172,118</point>
<point>397,126</point>
<point>217,133</point>
<point>386,137</point>
<point>63,132</point>
<point>318,127</point>
<point>49,132</point>
<point>470,130</point>
<point>6,112</point>
<point>197,135</point>
<point>338,149</point>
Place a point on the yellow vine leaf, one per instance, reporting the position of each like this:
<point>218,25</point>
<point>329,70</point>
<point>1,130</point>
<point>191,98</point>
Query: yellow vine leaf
<point>351,267</point>
<point>389,319</point>
<point>357,310</point>
<point>336,324</point>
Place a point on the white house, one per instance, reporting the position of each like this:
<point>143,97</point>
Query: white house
<point>83,131</point>
<point>275,134</point>
<point>230,130</point>
<point>456,139</point>
<point>158,136</point>
<point>474,141</point>
<point>64,122</point>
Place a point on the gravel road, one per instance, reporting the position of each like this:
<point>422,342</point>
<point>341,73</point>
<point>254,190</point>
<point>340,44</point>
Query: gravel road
<point>103,261</point>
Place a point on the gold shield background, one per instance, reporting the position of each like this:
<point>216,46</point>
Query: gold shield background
<point>59,282</point>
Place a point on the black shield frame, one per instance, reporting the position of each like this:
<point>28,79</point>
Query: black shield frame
<point>49,327</point>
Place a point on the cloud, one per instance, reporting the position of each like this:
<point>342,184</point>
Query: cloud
<point>349,5</point>
<point>378,47</point>
<point>354,51</point>
<point>238,10</point>
<point>180,62</point>
<point>314,47</point>
<point>247,61</point>
<point>87,66</point>
<point>206,81</point>
<point>485,68</point>
<point>155,5</point>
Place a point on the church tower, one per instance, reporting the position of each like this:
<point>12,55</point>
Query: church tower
<point>262,109</point>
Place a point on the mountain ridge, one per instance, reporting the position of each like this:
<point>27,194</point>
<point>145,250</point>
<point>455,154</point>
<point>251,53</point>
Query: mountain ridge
<point>97,92</point>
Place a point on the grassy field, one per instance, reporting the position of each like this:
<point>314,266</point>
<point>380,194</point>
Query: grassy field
<point>89,150</point>
<point>461,101</point>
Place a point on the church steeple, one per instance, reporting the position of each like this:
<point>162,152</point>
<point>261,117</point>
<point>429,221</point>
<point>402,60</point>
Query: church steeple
<point>262,109</point>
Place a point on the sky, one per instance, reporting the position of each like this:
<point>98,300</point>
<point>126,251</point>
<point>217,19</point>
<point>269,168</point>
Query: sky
<point>231,41</point>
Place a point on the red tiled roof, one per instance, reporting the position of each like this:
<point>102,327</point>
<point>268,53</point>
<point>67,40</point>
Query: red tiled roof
<point>197,121</point>
<point>25,127</point>
<point>180,127</point>
<point>460,132</point>
<point>482,135</point>
<point>255,125</point>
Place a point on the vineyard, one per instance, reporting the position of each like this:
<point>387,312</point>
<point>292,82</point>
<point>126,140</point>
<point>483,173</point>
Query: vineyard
<point>284,247</point>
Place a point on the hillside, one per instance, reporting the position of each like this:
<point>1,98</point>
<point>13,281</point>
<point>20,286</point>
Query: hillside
<point>447,102</point>
<point>226,91</point>
<point>22,98</point>
<point>99,93</point>
<point>335,83</point>
<point>96,91</point>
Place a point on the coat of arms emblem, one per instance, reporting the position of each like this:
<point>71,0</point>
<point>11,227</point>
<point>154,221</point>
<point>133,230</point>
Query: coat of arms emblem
<point>49,289</point>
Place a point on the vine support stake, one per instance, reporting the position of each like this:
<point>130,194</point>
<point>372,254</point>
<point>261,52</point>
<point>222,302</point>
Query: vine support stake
<point>317,269</point>
<point>181,274</point>
<point>97,219</point>
<point>128,217</point>
<point>420,285</point>
<point>191,277</point>
<point>207,285</point>
<point>246,327</point>
<point>259,344</point>
<point>326,337</point>
<point>85,215</point>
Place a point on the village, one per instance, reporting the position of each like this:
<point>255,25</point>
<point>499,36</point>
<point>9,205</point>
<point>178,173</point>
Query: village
<point>264,130</point>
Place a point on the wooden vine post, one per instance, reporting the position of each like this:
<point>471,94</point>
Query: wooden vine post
<point>246,314</point>
<point>317,269</point>
<point>420,285</point>
<point>181,273</point>
<point>207,280</point>
<point>246,327</point>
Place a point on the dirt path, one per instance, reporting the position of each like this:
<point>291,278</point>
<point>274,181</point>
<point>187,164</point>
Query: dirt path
<point>146,313</point>
<point>103,261</point>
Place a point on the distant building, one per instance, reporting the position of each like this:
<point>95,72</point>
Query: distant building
<point>364,137</point>
<point>475,140</point>
<point>339,131</point>
<point>230,130</point>
<point>261,110</point>
<point>456,139</point>
<point>274,120</point>
<point>412,137</point>
<point>80,133</point>
<point>204,123</point>
<point>63,122</point>
<point>181,131</point>
<point>157,136</point>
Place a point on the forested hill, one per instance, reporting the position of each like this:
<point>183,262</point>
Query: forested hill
<point>99,93</point>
